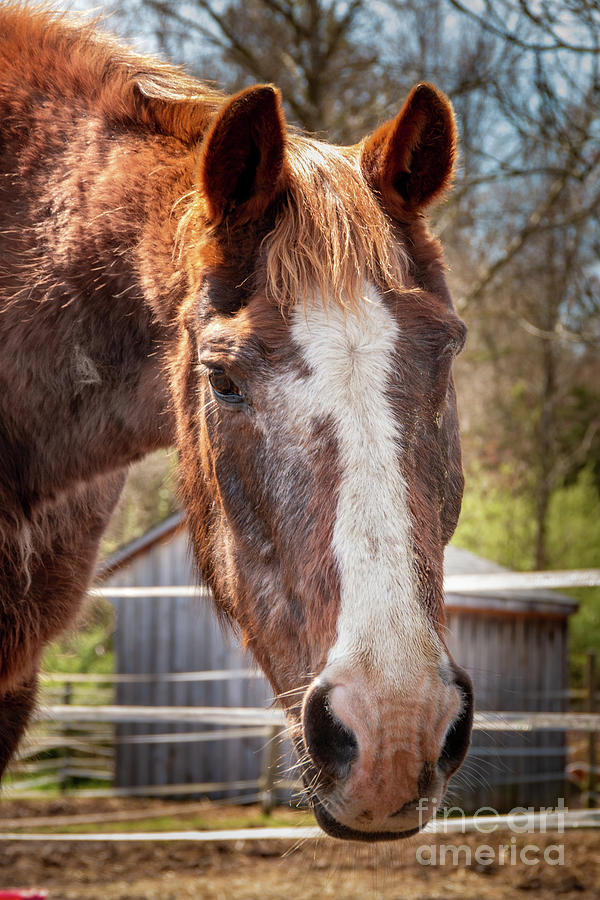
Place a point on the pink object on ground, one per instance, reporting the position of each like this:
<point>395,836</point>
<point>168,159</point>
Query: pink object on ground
<point>23,895</point>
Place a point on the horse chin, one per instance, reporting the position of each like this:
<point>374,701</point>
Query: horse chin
<point>335,829</point>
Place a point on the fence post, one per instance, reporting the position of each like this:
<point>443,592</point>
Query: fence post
<point>63,778</point>
<point>268,797</point>
<point>591,707</point>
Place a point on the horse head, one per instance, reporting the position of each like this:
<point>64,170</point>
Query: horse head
<point>318,439</point>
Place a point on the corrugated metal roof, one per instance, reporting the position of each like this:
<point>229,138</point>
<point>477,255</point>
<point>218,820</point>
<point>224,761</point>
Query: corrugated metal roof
<point>125,554</point>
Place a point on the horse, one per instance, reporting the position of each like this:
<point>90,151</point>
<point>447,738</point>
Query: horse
<point>180,267</point>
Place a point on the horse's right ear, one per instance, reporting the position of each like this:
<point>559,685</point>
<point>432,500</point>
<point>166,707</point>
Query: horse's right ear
<point>410,160</point>
<point>241,157</point>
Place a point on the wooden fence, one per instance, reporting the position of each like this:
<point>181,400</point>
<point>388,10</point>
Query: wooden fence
<point>74,744</point>
<point>80,727</point>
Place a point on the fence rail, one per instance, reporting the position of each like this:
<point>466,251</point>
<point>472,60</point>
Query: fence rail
<point>453,584</point>
<point>543,823</point>
<point>241,722</point>
<point>228,715</point>
<point>151,678</point>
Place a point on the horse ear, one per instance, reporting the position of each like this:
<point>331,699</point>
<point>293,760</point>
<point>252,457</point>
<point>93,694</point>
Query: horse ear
<point>410,160</point>
<point>241,157</point>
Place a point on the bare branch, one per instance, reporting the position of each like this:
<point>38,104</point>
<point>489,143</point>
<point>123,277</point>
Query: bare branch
<point>287,13</point>
<point>512,38</point>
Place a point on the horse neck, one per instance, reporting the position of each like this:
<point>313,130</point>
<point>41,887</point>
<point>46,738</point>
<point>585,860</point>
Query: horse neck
<point>86,321</point>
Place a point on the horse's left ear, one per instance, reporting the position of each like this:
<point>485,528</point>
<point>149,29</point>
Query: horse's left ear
<point>410,160</point>
<point>241,157</point>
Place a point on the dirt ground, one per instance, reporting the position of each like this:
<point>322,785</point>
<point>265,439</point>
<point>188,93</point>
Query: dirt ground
<point>562,865</point>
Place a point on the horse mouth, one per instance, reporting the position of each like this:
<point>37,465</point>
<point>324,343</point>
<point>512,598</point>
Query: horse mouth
<point>320,783</point>
<point>335,829</point>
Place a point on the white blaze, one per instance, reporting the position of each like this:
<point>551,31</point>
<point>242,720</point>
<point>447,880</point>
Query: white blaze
<point>351,359</point>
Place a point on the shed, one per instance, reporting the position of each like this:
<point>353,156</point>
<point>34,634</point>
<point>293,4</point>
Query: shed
<point>167,635</point>
<point>513,644</point>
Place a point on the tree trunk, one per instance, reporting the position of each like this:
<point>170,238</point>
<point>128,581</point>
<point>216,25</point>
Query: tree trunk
<point>546,451</point>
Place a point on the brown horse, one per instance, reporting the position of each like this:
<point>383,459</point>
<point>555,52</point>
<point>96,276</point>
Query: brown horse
<point>178,266</point>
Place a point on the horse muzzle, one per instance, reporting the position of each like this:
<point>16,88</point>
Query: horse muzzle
<point>380,762</point>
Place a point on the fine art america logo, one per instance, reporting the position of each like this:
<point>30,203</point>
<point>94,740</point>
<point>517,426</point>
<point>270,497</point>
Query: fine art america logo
<point>520,820</point>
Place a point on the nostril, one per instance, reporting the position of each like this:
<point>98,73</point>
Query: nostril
<point>331,744</point>
<point>458,736</point>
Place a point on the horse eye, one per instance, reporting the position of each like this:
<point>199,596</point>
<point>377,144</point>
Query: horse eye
<point>224,388</point>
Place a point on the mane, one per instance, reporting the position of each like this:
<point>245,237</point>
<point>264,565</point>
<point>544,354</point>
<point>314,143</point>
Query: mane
<point>64,55</point>
<point>331,234</point>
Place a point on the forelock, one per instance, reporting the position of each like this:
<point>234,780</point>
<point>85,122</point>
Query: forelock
<point>331,235</point>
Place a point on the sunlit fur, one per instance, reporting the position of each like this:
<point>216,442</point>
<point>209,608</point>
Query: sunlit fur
<point>332,234</point>
<point>71,60</point>
<point>329,235</point>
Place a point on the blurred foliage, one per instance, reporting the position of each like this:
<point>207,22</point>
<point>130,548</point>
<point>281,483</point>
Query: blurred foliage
<point>148,498</point>
<point>498,523</point>
<point>581,428</point>
<point>87,648</point>
<point>495,521</point>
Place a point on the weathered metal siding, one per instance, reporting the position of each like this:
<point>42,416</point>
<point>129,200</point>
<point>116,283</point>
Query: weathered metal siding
<point>164,635</point>
<point>517,662</point>
<point>515,647</point>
